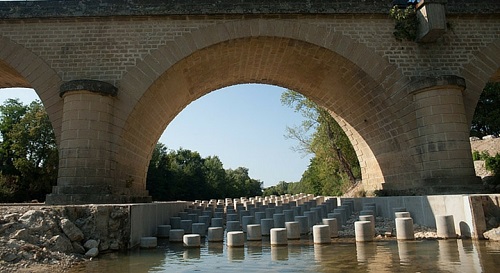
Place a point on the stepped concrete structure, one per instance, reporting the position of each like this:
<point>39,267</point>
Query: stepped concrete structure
<point>113,74</point>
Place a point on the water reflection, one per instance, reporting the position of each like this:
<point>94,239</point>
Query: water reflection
<point>406,252</point>
<point>215,248</point>
<point>304,256</point>
<point>279,253</point>
<point>365,251</point>
<point>236,253</point>
<point>191,253</point>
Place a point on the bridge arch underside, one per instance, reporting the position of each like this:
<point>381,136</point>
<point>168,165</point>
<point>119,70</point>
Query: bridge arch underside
<point>21,68</point>
<point>356,100</point>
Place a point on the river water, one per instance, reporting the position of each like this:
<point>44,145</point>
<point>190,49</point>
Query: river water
<point>343,255</point>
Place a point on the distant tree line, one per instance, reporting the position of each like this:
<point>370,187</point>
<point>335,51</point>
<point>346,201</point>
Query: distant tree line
<point>185,175</point>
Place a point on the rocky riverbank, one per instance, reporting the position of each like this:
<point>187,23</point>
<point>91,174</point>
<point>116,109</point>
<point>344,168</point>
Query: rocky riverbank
<point>38,238</point>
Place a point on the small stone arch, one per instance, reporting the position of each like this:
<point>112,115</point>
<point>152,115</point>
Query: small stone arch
<point>344,76</point>
<point>22,68</point>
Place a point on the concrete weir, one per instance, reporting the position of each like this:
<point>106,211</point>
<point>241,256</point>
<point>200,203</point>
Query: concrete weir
<point>150,219</point>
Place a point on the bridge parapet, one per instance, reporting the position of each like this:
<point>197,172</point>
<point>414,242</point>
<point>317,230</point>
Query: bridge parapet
<point>97,8</point>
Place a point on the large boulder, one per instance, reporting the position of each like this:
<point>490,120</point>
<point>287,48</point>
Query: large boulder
<point>93,252</point>
<point>492,234</point>
<point>91,244</point>
<point>61,243</point>
<point>72,231</point>
<point>40,222</point>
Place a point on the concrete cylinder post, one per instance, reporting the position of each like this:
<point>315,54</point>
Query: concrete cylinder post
<point>266,226</point>
<point>163,231</point>
<point>397,209</point>
<point>292,230</point>
<point>348,210</point>
<point>311,218</point>
<point>215,234</point>
<point>235,239</point>
<point>363,231</point>
<point>232,217</point>
<point>191,240</point>
<point>175,222</point>
<point>217,222</point>
<point>205,220</point>
<point>176,235</point>
<point>193,217</point>
<point>254,232</point>
<point>259,215</point>
<point>245,221</point>
<point>303,223</point>
<point>270,212</point>
<point>402,214</point>
<point>366,212</point>
<point>199,228</point>
<point>370,218</point>
<point>445,226</point>
<point>183,215</point>
<point>289,215</point>
<point>233,226</point>
<point>404,228</point>
<point>279,220</point>
<point>338,216</point>
<point>187,226</point>
<point>343,213</point>
<point>332,223</point>
<point>278,237</point>
<point>148,242</point>
<point>321,234</point>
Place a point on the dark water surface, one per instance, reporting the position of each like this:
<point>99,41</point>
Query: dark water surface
<point>303,256</point>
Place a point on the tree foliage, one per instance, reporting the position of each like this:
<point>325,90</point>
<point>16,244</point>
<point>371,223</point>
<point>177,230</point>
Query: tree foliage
<point>28,152</point>
<point>185,175</point>
<point>486,120</point>
<point>335,165</point>
<point>283,188</point>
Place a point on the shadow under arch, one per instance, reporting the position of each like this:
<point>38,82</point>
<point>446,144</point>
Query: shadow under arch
<point>484,67</point>
<point>358,89</point>
<point>20,67</point>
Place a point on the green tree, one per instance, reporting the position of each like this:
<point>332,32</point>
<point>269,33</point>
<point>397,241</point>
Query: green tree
<point>486,120</point>
<point>335,165</point>
<point>215,176</point>
<point>185,175</point>
<point>28,152</point>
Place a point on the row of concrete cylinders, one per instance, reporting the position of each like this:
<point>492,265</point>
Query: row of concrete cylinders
<point>290,220</point>
<point>322,234</point>
<point>364,229</point>
<point>259,200</point>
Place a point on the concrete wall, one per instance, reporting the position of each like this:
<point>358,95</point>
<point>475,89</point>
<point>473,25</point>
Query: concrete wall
<point>466,210</point>
<point>144,218</point>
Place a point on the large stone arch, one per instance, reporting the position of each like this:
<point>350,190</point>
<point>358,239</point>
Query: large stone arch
<point>20,67</point>
<point>483,67</point>
<point>358,86</point>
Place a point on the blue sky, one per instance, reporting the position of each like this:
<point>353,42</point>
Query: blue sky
<point>244,125</point>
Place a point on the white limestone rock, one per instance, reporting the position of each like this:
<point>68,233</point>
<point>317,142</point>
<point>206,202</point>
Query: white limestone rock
<point>492,234</point>
<point>72,231</point>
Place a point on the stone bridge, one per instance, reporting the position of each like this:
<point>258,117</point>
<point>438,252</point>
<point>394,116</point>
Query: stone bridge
<point>113,74</point>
